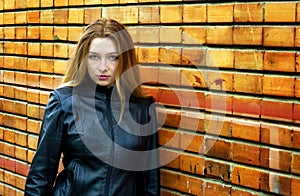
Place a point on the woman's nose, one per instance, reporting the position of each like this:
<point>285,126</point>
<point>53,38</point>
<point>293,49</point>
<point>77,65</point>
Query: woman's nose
<point>102,64</point>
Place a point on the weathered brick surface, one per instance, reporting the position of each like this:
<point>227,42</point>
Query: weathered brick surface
<point>231,76</point>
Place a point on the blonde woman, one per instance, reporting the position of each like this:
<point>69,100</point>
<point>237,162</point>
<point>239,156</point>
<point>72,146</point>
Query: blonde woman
<point>100,121</point>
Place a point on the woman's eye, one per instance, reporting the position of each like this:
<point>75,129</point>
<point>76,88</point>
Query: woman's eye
<point>113,58</point>
<point>93,57</point>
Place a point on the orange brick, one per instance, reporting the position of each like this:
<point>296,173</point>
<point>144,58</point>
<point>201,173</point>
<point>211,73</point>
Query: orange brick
<point>33,32</point>
<point>8,91</point>
<point>21,93</point>
<point>21,48</point>
<point>20,17</point>
<point>297,63</point>
<point>9,62</point>
<point>244,153</point>
<point>9,48</point>
<point>218,125</point>
<point>280,12</point>
<point>33,64</point>
<point>275,159</point>
<point>91,14</point>
<point>20,180</point>
<point>165,32</point>
<point>275,183</point>
<point>218,80</point>
<point>220,35</point>
<point>194,13</point>
<point>92,2</point>
<point>61,50</point>
<point>193,57</point>
<point>74,33</point>
<point>213,188</point>
<point>61,3</point>
<point>9,18</point>
<point>278,85</point>
<point>9,150</point>
<point>247,83</point>
<point>33,80</point>
<point>20,78</point>
<point>21,32</point>
<point>217,169</point>
<point>277,110</point>
<point>20,123</point>
<point>46,33</point>
<point>278,135</point>
<point>33,16</point>
<point>193,78</point>
<point>191,163</point>
<point>33,126</point>
<point>279,36</point>
<point>220,13</point>
<point>76,2</point>
<point>9,32</point>
<point>171,14</point>
<point>32,141</point>
<point>248,12</point>
<point>21,108</point>
<point>193,35</point>
<point>125,15</point>
<point>169,179</point>
<point>246,106</point>
<point>46,17</point>
<point>295,186</point>
<point>246,176</point>
<point>170,55</point>
<point>149,14</point>
<point>61,15</point>
<point>218,102</point>
<point>59,66</point>
<point>21,152</point>
<point>21,138</point>
<point>191,142</point>
<point>247,35</point>
<point>47,65</point>
<point>57,80</point>
<point>169,76</point>
<point>297,37</point>
<point>246,129</point>
<point>76,16</point>
<point>34,49</point>
<point>33,95</point>
<point>217,148</point>
<point>46,3</point>
<point>147,55</point>
<point>279,61</point>
<point>9,76</point>
<point>149,74</point>
<point>20,4</point>
<point>220,58</point>
<point>148,35</point>
<point>30,155</point>
<point>60,33</point>
<point>252,60</point>
<point>9,135</point>
<point>190,184</point>
<point>44,96</point>
<point>46,81</point>
<point>169,138</point>
<point>47,49</point>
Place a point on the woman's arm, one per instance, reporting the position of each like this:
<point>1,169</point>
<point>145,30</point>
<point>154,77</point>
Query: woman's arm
<point>44,165</point>
<point>152,177</point>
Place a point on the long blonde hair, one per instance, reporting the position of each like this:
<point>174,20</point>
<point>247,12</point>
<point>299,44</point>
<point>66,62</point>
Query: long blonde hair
<point>101,28</point>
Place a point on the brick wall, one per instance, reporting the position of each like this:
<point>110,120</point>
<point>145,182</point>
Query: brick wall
<point>226,74</point>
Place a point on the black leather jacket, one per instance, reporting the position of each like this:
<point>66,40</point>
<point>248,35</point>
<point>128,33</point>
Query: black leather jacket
<point>95,162</point>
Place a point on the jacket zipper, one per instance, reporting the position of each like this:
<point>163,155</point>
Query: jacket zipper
<point>111,131</point>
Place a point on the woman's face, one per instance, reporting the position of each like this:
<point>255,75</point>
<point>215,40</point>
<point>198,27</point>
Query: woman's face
<point>102,61</point>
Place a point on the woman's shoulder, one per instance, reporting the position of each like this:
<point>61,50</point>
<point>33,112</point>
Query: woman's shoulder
<point>63,92</point>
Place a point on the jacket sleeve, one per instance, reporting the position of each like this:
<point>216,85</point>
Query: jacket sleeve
<point>152,177</point>
<point>44,165</point>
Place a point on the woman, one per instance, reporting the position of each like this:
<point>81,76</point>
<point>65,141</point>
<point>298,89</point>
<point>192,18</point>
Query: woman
<point>100,121</point>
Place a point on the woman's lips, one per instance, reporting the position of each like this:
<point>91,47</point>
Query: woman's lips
<point>103,77</point>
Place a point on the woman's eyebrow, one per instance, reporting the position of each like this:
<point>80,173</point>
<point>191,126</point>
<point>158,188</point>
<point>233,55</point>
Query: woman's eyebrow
<point>92,52</point>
